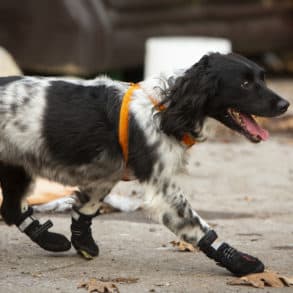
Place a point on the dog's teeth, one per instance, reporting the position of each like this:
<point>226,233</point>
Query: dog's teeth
<point>236,116</point>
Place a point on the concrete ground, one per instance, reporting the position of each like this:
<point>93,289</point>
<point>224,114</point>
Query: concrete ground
<point>243,190</point>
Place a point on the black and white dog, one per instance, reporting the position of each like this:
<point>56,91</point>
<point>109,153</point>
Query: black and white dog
<point>67,130</point>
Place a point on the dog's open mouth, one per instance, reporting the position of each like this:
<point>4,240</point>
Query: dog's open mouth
<point>248,126</point>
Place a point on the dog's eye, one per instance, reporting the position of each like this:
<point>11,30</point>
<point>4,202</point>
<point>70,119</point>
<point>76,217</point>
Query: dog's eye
<point>245,84</point>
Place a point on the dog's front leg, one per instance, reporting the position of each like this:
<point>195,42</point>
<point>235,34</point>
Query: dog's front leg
<point>166,201</point>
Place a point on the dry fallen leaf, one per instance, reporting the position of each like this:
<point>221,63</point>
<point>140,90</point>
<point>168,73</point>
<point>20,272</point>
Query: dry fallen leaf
<point>121,280</point>
<point>94,285</point>
<point>163,285</point>
<point>248,198</point>
<point>36,275</point>
<point>270,279</point>
<point>183,246</point>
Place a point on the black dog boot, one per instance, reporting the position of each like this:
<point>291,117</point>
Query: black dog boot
<point>81,237</point>
<point>39,233</point>
<point>238,263</point>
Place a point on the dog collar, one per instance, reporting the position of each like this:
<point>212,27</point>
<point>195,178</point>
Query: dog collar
<point>187,139</point>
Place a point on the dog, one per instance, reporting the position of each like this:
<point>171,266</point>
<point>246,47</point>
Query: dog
<point>86,133</point>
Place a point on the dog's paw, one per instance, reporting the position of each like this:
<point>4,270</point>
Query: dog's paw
<point>238,263</point>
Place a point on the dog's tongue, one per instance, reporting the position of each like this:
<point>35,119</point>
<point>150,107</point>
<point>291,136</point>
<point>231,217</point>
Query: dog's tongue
<point>253,128</point>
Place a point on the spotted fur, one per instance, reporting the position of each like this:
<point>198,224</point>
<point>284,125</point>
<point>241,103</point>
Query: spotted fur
<point>66,130</point>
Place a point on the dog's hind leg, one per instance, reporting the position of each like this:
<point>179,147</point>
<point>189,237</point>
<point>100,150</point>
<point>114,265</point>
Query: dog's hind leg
<point>168,203</point>
<point>90,200</point>
<point>16,184</point>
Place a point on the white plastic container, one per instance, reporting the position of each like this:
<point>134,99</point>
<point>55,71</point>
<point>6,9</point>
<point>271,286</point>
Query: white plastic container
<point>166,54</point>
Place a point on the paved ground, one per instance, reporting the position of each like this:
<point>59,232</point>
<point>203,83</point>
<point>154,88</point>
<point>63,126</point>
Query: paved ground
<point>244,190</point>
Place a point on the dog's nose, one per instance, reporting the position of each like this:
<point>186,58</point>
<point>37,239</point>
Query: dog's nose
<point>283,105</point>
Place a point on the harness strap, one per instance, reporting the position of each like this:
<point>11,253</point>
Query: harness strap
<point>187,139</point>
<point>124,120</point>
<point>34,234</point>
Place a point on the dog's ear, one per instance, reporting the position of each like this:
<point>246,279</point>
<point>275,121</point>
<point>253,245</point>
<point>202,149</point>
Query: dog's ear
<point>186,100</point>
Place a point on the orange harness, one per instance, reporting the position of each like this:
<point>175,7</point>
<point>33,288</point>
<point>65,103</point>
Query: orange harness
<point>187,139</point>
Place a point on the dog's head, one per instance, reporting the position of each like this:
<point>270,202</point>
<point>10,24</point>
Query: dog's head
<point>228,88</point>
